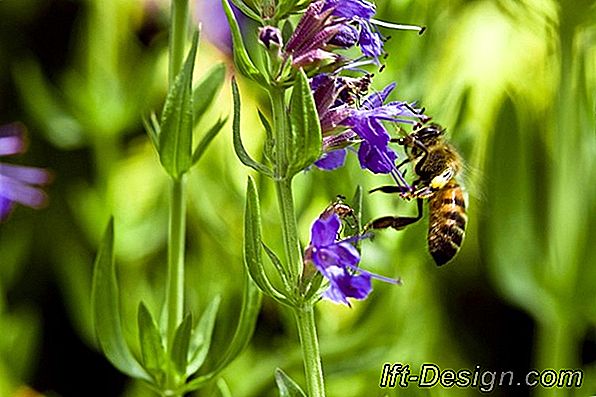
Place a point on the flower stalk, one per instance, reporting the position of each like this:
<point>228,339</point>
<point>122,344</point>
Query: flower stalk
<point>178,34</point>
<point>311,355</point>
<point>304,315</point>
<point>176,237</point>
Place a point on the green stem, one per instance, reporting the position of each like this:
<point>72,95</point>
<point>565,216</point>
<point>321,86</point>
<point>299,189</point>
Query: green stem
<point>283,186</point>
<point>289,228</point>
<point>175,281</point>
<point>307,331</point>
<point>278,108</point>
<point>557,348</point>
<point>304,314</point>
<point>176,237</point>
<point>178,30</point>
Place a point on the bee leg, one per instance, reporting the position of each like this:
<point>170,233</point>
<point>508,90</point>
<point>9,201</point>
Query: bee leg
<point>390,189</point>
<point>396,222</point>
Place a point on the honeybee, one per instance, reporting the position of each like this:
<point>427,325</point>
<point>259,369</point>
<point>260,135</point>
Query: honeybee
<point>436,164</point>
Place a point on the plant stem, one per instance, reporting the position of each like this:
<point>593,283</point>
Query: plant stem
<point>176,237</point>
<point>307,331</point>
<point>304,314</point>
<point>283,186</point>
<point>178,31</point>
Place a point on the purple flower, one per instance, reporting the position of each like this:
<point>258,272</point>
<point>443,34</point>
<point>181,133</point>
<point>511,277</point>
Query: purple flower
<point>332,23</point>
<point>337,261</point>
<point>344,122</point>
<point>18,184</point>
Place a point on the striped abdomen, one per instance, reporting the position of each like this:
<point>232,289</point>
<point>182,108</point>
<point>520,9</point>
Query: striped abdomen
<point>447,222</point>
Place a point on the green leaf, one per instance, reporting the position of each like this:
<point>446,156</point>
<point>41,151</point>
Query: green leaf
<point>42,103</point>
<point>238,146</point>
<point>179,353</point>
<point>153,352</point>
<point>241,59</point>
<point>246,10</point>
<point>153,129</point>
<point>279,266</point>
<point>206,140</point>
<point>223,388</point>
<point>175,139</point>
<point>314,286</point>
<point>304,145</point>
<point>252,244</point>
<point>106,311</point>
<point>206,90</point>
<point>287,387</point>
<point>269,142</point>
<point>251,305</point>
<point>201,338</point>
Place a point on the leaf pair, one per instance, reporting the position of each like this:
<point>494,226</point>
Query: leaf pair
<point>253,246</point>
<point>173,134</point>
<point>300,138</point>
<point>189,348</point>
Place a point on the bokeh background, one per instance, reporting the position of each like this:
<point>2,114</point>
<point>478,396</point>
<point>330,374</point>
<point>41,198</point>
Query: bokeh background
<point>514,82</point>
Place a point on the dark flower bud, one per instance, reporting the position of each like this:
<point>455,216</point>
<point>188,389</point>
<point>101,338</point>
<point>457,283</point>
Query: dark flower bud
<point>270,36</point>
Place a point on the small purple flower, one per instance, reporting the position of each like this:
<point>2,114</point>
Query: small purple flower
<point>337,261</point>
<point>345,123</point>
<point>18,184</point>
<point>332,23</point>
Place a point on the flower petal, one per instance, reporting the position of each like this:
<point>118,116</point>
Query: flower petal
<point>5,207</point>
<point>332,160</point>
<point>31,175</point>
<point>20,192</point>
<point>351,8</point>
<point>343,285</point>
<point>324,231</point>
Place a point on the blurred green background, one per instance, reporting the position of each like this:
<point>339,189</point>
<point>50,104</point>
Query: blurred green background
<point>514,82</point>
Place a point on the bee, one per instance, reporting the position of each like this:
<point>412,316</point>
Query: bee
<point>436,164</point>
<point>343,211</point>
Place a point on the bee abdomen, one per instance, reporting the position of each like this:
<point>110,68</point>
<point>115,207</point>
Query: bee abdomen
<point>447,223</point>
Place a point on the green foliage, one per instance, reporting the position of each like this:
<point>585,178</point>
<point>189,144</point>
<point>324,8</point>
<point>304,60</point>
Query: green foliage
<point>241,58</point>
<point>512,83</point>
<point>241,152</point>
<point>304,141</point>
<point>175,136</point>
<point>106,310</point>
<point>287,387</point>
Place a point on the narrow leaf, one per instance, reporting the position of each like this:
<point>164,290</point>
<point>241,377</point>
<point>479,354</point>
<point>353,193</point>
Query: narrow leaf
<point>179,353</point>
<point>153,129</point>
<point>269,142</point>
<point>201,338</point>
<point>241,59</point>
<point>238,146</point>
<point>251,305</point>
<point>246,10</point>
<point>287,387</point>
<point>206,140</point>
<point>252,243</point>
<point>314,286</point>
<point>223,388</point>
<point>206,90</point>
<point>304,146</point>
<point>279,266</point>
<point>153,352</point>
<point>175,139</point>
<point>105,309</point>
